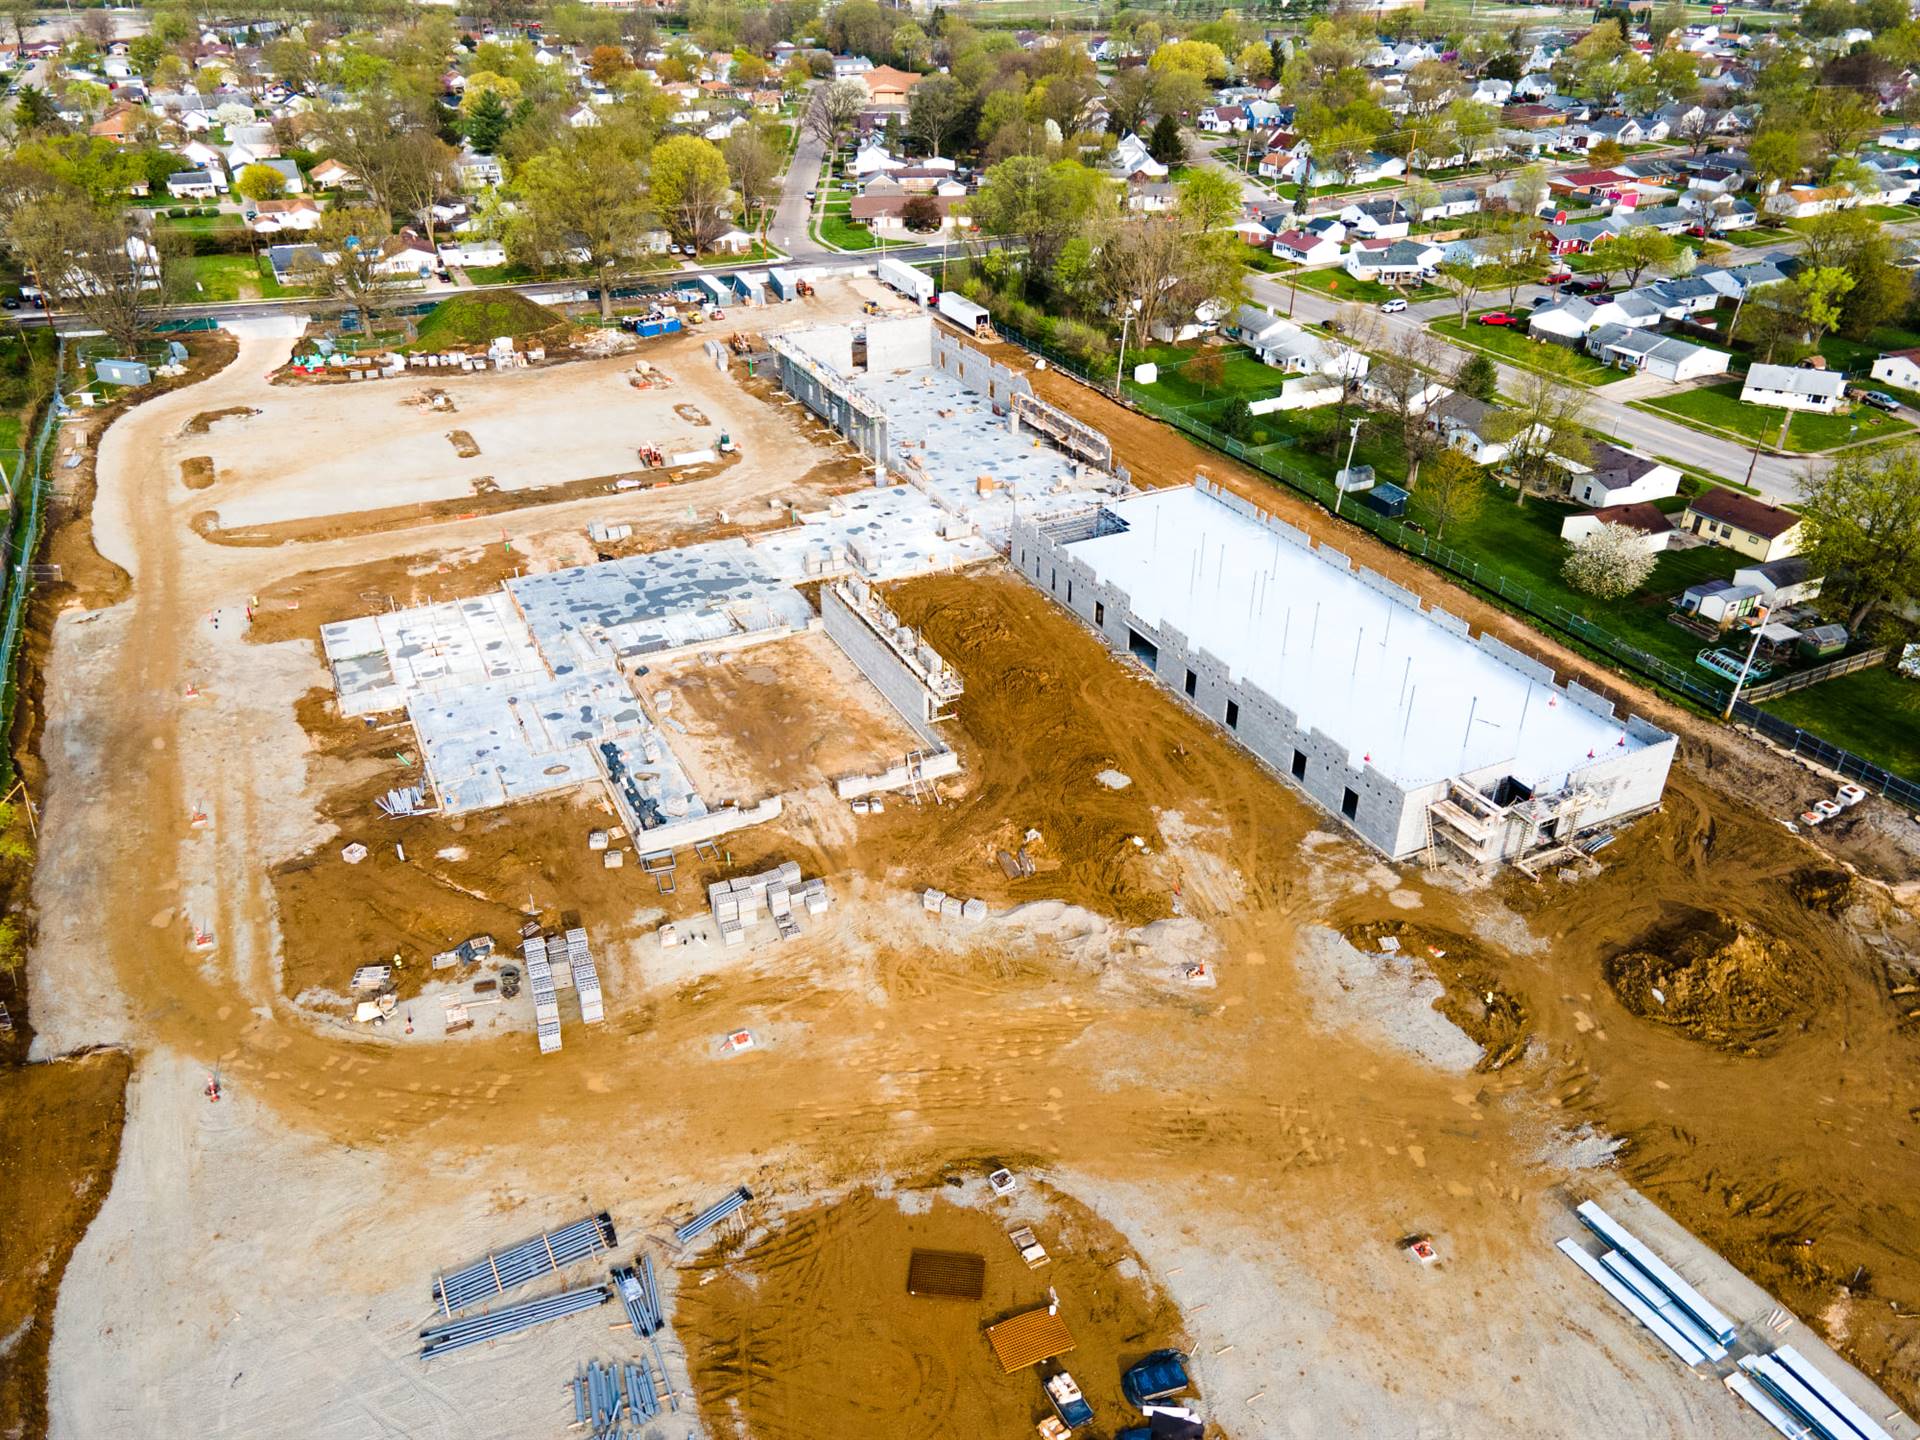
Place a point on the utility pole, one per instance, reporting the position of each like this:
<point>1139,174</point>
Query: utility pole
<point>1339,486</point>
<point>1759,624</point>
<point>1120,370</point>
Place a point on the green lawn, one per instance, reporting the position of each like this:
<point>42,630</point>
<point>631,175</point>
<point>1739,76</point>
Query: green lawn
<point>225,277</point>
<point>834,228</point>
<point>1874,713</point>
<point>1342,286</point>
<point>1718,407</point>
<point>499,274</point>
<point>1523,542</point>
<point>1513,345</point>
<point>1758,235</point>
<point>11,430</point>
<point>1242,374</point>
<point>201,224</point>
<point>1856,357</point>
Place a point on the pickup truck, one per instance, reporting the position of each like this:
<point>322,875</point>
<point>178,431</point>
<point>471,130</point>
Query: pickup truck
<point>1161,1374</point>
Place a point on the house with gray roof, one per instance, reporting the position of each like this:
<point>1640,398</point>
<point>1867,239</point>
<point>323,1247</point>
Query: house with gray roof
<point>1788,387</point>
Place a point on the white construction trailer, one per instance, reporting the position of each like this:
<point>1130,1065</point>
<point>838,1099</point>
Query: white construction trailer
<point>915,284</point>
<point>970,317</point>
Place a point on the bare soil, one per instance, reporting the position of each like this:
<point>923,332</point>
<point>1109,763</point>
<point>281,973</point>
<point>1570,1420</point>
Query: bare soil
<point>811,1332</point>
<point>196,472</point>
<point>207,419</point>
<point>464,445</point>
<point>1477,1000</point>
<point>59,1137</point>
<point>1716,980</point>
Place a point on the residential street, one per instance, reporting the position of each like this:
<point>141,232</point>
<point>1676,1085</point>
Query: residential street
<point>789,230</point>
<point>1776,477</point>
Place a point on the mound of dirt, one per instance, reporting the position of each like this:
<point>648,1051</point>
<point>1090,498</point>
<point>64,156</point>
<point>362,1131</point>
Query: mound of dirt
<point>1716,980</point>
<point>206,419</point>
<point>1476,1000</point>
<point>464,445</point>
<point>1820,888</point>
<point>480,319</point>
<point>196,472</point>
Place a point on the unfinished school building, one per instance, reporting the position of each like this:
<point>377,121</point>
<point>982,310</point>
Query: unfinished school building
<point>966,432</point>
<point>1425,741</point>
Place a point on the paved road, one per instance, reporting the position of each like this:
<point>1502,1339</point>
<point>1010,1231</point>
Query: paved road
<point>1777,477</point>
<point>790,218</point>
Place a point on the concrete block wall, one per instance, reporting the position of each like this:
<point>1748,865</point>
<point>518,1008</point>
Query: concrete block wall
<point>975,370</point>
<point>898,777</point>
<point>876,661</point>
<point>1384,815</point>
<point>902,344</point>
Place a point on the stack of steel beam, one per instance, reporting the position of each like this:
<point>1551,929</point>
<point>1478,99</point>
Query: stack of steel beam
<point>712,1216</point>
<point>476,1329</point>
<point>608,1398</point>
<point>502,1270</point>
<point>1792,1395</point>
<point>642,1299</point>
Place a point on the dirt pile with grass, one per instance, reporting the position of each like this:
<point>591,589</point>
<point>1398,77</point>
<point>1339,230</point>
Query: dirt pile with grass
<point>1715,979</point>
<point>467,320</point>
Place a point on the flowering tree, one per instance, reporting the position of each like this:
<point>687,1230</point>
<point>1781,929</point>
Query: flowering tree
<point>1609,563</point>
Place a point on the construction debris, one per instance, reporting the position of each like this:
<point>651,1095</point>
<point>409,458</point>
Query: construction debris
<point>641,1296</point>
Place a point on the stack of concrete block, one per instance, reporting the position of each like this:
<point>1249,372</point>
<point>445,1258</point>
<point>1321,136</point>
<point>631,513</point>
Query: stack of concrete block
<point>813,895</point>
<point>952,907</point>
<point>586,978</point>
<point>546,1008</point>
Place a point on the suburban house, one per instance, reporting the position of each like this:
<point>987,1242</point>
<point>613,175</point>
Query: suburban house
<point>1222,120</point>
<point>1787,581</point>
<point>886,214</point>
<point>406,256</point>
<point>1565,322</point>
<point>273,217</point>
<point>1797,202</point>
<point>192,185</point>
<point>1899,368</point>
<point>1368,168</point>
<point>1378,220</point>
<point>1131,157</point>
<point>476,170</point>
<point>1392,262</point>
<point>1455,200</point>
<point>1653,525</point>
<point>1613,476</point>
<point>1788,387</point>
<point>1739,522</point>
<point>1472,427</point>
<point>1286,346</point>
<point>1661,355</point>
<point>330,174</point>
<point>1286,152</point>
<point>1305,248</point>
<point>888,86</point>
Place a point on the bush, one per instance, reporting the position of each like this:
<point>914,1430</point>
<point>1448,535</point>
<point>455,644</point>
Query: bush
<point>1084,342</point>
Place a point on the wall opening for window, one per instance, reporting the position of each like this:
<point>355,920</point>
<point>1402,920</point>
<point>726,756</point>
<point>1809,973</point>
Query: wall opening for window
<point>1144,650</point>
<point>1350,804</point>
<point>1233,714</point>
<point>1193,684</point>
<point>1099,613</point>
<point>1299,764</point>
<point>1069,592</point>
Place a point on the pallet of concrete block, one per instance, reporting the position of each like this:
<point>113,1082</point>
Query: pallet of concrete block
<point>586,978</point>
<point>549,1031</point>
<point>814,896</point>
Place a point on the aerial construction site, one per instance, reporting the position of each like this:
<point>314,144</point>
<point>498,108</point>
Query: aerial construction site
<point>811,877</point>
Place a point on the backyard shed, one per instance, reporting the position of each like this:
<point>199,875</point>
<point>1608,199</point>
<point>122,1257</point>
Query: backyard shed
<point>121,372</point>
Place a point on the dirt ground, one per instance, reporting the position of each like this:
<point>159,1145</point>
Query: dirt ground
<point>793,715</point>
<point>773,1330</point>
<point>59,1139</point>
<point>1261,1162</point>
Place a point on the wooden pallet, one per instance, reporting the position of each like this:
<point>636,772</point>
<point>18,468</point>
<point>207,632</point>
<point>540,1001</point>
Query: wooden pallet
<point>1028,1339</point>
<point>947,1274</point>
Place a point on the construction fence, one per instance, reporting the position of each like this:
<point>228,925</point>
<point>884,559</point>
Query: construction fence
<point>1696,689</point>
<point>26,520</point>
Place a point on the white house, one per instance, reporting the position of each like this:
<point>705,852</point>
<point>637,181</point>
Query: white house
<point>1286,346</point>
<point>1305,248</point>
<point>1797,202</point>
<point>583,117</point>
<point>476,170</point>
<point>1612,476</point>
<point>1472,427</point>
<point>1131,157</point>
<point>1786,387</point>
<point>1392,262</point>
<point>474,253</point>
<point>1654,354</point>
<point>330,174</point>
<point>1650,524</point>
<point>1898,367</point>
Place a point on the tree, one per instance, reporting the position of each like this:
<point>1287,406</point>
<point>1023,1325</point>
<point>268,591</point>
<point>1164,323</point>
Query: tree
<point>1543,422</point>
<point>1777,155</point>
<point>1642,249</point>
<point>690,189</point>
<point>1209,198</point>
<point>1451,489</point>
<point>1478,376</point>
<point>1862,516</point>
<point>95,260</point>
<point>583,204</point>
<point>1606,154</point>
<point>1129,101</point>
<point>1609,562</point>
<point>1820,290</point>
<point>754,165</point>
<point>833,109</point>
<point>935,109</point>
<point>1165,144</point>
<point>1464,280</point>
<point>420,168</point>
<point>1255,61</point>
<point>1769,320</point>
<point>1037,204</point>
<point>1841,119</point>
<point>486,122</point>
<point>1198,58</point>
<point>921,214</point>
<point>1207,370</point>
<point>608,61</point>
<point>1403,378</point>
<point>1160,268</point>
<point>348,260</point>
<point>260,182</point>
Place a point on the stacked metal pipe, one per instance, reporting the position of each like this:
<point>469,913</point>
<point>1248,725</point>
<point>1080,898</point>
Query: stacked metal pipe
<point>608,1398</point>
<point>503,1270</point>
<point>639,1295</point>
<point>475,1329</point>
<point>712,1216</point>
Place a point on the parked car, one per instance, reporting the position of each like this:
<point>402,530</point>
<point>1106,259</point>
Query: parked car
<point>1558,277</point>
<point>1393,306</point>
<point>1161,1374</point>
<point>1587,284</point>
<point>813,194</point>
<point>1880,400</point>
<point>1499,317</point>
<point>12,302</point>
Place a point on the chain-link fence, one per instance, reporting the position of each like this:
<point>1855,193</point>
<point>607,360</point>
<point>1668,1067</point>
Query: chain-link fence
<point>23,539</point>
<point>1412,539</point>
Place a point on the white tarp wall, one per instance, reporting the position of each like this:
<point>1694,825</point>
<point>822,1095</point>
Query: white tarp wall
<point>902,344</point>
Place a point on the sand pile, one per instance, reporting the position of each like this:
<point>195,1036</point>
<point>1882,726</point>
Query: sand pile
<point>1714,979</point>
